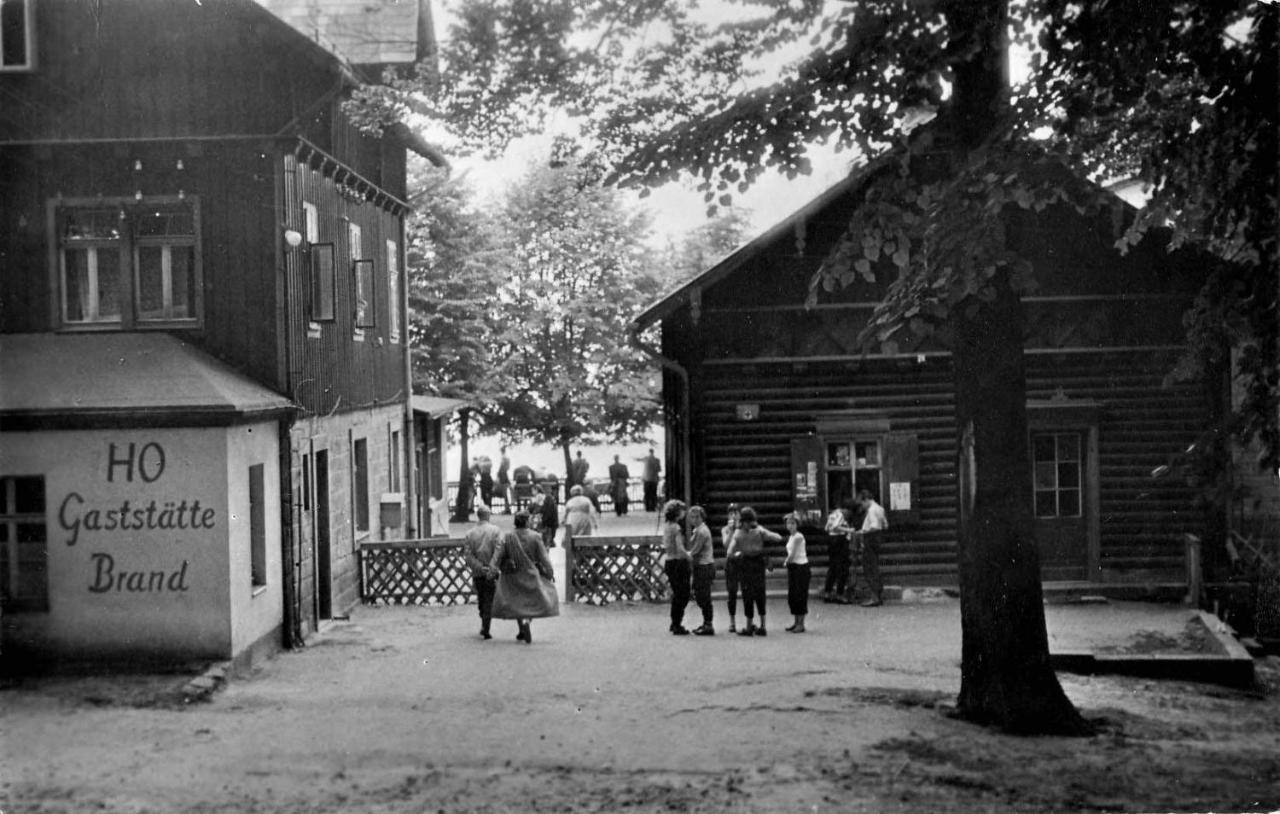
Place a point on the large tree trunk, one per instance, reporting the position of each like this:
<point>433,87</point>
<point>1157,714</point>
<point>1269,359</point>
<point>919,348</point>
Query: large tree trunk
<point>466,486</point>
<point>1005,676</point>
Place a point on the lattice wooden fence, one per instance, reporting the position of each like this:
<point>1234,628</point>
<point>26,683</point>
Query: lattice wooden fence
<point>612,569</point>
<point>414,572</point>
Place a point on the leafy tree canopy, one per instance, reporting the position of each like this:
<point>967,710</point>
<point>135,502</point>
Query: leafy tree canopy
<point>578,271</point>
<point>1180,97</point>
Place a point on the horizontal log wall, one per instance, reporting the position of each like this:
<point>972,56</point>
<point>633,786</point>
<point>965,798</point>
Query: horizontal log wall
<point>749,463</point>
<point>1142,426</point>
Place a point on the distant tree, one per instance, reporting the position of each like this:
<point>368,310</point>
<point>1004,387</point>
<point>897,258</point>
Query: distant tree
<point>579,271</point>
<point>699,249</point>
<point>456,270</point>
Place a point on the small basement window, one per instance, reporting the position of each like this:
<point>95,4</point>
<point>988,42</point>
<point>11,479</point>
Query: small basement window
<point>17,35</point>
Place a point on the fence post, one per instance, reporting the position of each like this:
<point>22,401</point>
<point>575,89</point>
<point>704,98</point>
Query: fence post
<point>568,568</point>
<point>1194,579</point>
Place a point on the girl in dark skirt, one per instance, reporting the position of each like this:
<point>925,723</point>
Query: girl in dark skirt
<point>797,574</point>
<point>731,578</point>
<point>748,549</point>
<point>677,565</point>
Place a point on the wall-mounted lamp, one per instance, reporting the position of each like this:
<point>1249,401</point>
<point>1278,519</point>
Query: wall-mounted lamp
<point>293,237</point>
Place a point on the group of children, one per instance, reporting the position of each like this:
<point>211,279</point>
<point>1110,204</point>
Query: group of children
<point>690,563</point>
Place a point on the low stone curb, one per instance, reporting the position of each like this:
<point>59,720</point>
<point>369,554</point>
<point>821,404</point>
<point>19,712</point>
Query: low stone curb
<point>1233,667</point>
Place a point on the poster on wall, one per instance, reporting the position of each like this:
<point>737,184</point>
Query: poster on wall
<point>900,497</point>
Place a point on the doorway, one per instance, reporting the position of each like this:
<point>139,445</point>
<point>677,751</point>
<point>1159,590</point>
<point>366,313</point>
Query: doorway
<point>1062,482</point>
<point>324,567</point>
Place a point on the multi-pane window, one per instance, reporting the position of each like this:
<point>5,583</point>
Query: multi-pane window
<point>129,266</point>
<point>851,467</point>
<point>165,264</point>
<point>17,35</point>
<point>24,568</point>
<point>92,247</point>
<point>360,483</point>
<point>1056,459</point>
<point>393,291</point>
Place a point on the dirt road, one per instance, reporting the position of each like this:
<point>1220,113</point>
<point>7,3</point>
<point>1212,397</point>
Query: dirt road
<point>407,710</point>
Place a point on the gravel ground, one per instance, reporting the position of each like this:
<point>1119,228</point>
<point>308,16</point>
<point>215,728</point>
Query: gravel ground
<point>407,710</point>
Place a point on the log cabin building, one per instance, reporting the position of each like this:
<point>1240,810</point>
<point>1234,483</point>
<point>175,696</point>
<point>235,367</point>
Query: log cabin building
<point>203,336</point>
<point>773,404</point>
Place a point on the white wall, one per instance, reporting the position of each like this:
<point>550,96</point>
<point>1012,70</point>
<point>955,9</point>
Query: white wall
<point>255,612</point>
<point>137,524</point>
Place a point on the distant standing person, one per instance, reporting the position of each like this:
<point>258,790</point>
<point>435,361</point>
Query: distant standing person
<point>504,479</point>
<point>838,531</point>
<point>677,564</point>
<point>619,477</point>
<point>748,547</point>
<point>580,516</point>
<point>732,578</point>
<point>649,477</point>
<point>486,480</point>
<point>797,574</point>
<point>526,581</point>
<point>550,513</point>
<point>703,562</point>
<point>578,471</point>
<point>478,548</point>
<point>874,524</point>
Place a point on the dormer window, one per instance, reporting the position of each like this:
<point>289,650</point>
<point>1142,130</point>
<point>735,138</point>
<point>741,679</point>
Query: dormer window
<point>17,35</point>
<point>129,264</point>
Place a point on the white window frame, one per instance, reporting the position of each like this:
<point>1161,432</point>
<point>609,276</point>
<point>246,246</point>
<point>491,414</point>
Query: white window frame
<point>394,475</point>
<point>393,292</point>
<point>311,222</point>
<point>127,244</point>
<point>355,253</point>
<point>166,244</point>
<point>28,61</point>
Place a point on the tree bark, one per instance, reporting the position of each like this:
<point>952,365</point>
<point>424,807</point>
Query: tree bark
<point>466,487</point>
<point>1005,676</point>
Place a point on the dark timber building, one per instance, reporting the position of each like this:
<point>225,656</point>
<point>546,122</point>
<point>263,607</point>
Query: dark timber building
<point>206,401</point>
<point>771,403</point>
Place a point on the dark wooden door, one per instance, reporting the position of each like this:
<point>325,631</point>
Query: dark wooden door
<point>324,570</point>
<point>1062,487</point>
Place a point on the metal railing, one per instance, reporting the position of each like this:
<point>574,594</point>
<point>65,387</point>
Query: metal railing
<point>635,493</point>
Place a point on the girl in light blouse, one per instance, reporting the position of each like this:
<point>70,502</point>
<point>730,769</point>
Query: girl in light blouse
<point>797,574</point>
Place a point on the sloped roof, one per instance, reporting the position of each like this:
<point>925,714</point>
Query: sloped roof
<point>435,406</point>
<point>859,176</point>
<point>155,376</point>
<point>680,297</point>
<point>360,32</point>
